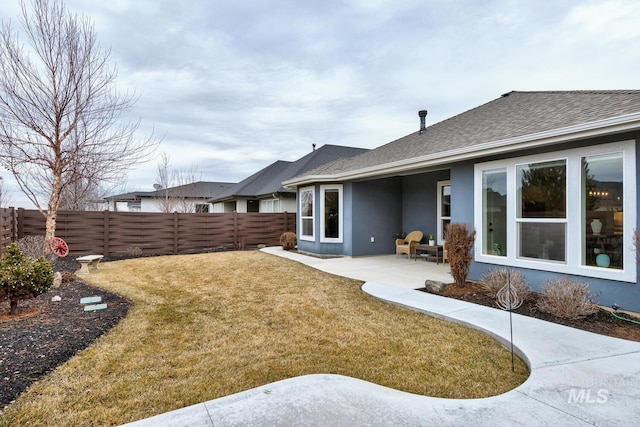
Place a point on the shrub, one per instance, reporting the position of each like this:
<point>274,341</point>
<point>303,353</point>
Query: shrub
<point>459,240</point>
<point>68,277</point>
<point>23,277</point>
<point>566,298</point>
<point>288,240</point>
<point>36,247</point>
<point>494,280</point>
<point>134,251</point>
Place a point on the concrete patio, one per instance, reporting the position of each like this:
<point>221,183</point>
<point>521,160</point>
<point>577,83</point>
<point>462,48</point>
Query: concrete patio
<point>577,378</point>
<point>397,271</point>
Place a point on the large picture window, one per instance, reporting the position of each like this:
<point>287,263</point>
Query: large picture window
<point>306,213</point>
<point>603,210</point>
<point>565,212</point>
<point>541,209</point>
<point>331,213</point>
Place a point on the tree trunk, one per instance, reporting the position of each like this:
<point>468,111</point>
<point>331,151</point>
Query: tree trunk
<point>14,307</point>
<point>54,204</point>
<point>51,226</point>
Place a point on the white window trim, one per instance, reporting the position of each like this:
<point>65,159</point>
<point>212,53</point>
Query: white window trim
<point>324,239</point>
<point>301,236</point>
<point>439,230</point>
<point>573,264</point>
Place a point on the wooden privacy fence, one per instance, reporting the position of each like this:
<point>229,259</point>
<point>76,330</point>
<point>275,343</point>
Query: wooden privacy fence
<point>121,233</point>
<point>8,227</point>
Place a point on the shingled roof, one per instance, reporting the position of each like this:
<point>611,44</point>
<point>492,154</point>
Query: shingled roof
<point>198,190</point>
<point>269,180</point>
<point>503,124</point>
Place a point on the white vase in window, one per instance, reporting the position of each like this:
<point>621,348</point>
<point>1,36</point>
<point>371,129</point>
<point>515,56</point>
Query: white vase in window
<point>596,226</point>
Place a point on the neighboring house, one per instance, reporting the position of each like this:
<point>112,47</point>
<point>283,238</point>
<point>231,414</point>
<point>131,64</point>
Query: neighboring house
<point>127,202</point>
<point>191,197</point>
<point>263,191</point>
<point>547,179</point>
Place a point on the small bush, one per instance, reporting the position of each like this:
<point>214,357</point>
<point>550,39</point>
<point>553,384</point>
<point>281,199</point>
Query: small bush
<point>459,240</point>
<point>36,247</point>
<point>494,280</point>
<point>288,240</point>
<point>566,298</point>
<point>134,251</point>
<point>68,277</point>
<point>23,277</point>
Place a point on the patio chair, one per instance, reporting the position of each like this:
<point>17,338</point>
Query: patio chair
<point>406,245</point>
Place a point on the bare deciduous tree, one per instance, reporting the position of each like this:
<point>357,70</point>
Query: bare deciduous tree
<point>5,198</point>
<point>61,119</point>
<point>177,195</point>
<point>83,195</point>
<point>164,182</point>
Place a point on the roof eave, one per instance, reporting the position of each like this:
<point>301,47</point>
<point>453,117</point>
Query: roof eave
<point>604,127</point>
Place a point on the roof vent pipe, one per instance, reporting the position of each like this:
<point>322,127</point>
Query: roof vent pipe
<point>423,115</point>
<point>314,147</point>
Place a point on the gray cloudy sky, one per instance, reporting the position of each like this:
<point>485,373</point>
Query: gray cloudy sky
<point>234,85</point>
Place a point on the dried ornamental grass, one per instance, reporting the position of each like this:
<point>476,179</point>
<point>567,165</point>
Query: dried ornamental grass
<point>494,280</point>
<point>566,298</point>
<point>36,247</point>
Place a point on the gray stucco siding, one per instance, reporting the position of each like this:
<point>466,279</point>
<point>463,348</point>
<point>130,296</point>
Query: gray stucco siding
<point>377,213</point>
<point>420,201</point>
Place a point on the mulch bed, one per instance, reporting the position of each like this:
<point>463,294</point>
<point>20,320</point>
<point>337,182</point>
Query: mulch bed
<point>45,334</point>
<point>601,322</point>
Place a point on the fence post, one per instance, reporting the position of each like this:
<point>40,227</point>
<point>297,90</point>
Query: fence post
<point>176,235</point>
<point>235,229</point>
<point>286,222</point>
<point>105,227</point>
<point>14,225</point>
<point>20,224</point>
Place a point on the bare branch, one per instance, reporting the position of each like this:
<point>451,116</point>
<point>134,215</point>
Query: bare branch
<point>62,123</point>
<point>178,195</point>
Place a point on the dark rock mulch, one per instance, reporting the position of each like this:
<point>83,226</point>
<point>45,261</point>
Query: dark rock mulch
<point>602,322</point>
<point>45,334</point>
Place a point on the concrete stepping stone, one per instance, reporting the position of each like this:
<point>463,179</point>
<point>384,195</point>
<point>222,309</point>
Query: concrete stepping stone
<point>95,307</point>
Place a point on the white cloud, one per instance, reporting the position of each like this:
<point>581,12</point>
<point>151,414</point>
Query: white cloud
<point>614,20</point>
<point>234,86</point>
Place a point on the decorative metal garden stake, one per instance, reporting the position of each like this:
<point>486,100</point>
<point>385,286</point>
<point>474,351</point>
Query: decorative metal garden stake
<point>508,299</point>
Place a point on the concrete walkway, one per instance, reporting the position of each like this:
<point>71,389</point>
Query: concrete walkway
<point>577,378</point>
